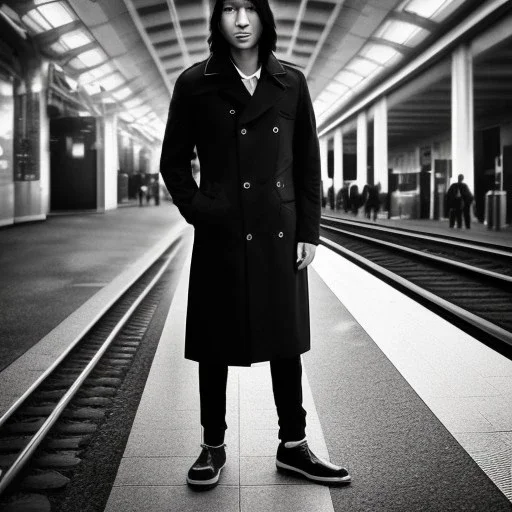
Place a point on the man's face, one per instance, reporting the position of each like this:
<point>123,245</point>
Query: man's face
<point>240,24</point>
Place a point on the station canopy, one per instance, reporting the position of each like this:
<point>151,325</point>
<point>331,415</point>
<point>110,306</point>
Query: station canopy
<point>125,55</point>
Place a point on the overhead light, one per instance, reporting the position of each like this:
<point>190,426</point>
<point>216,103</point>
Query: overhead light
<point>56,14</point>
<point>397,31</point>
<point>92,57</point>
<point>348,78</point>
<point>75,39</point>
<point>379,53</point>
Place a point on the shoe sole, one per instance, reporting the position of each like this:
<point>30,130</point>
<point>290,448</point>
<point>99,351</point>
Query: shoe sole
<point>325,479</point>
<point>205,484</point>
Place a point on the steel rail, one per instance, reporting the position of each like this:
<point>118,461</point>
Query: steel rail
<point>82,333</point>
<point>470,318</point>
<point>421,254</point>
<point>422,236</point>
<point>39,436</point>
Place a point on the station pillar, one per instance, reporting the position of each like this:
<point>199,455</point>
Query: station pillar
<point>324,149</point>
<point>108,163</point>
<point>362,150</point>
<point>462,116</point>
<point>380,145</point>
<point>337,181</point>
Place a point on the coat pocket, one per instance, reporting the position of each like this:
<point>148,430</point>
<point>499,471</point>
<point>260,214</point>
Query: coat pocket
<point>285,189</point>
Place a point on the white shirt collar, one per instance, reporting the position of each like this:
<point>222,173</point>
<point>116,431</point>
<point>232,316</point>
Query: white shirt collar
<point>257,74</point>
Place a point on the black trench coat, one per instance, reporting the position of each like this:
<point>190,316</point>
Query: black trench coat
<point>259,195</point>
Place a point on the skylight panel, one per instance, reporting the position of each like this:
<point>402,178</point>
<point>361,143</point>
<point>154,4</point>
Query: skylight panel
<point>133,103</point>
<point>92,57</point>
<point>140,111</point>
<point>122,94</point>
<point>348,78</point>
<point>75,39</point>
<point>77,64</point>
<point>379,53</point>
<point>96,73</point>
<point>58,48</point>
<point>56,14</point>
<point>36,22</point>
<point>328,97</point>
<point>125,116</point>
<point>399,32</point>
<point>363,67</point>
<point>112,81</point>
<point>336,88</point>
<point>426,8</point>
<point>92,89</point>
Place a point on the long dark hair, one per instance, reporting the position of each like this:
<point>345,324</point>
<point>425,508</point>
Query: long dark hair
<point>268,38</point>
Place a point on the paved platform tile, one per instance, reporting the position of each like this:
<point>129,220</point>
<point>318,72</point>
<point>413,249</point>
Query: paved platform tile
<point>285,498</point>
<point>174,498</point>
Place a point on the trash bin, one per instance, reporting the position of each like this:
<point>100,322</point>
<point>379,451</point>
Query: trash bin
<point>495,209</point>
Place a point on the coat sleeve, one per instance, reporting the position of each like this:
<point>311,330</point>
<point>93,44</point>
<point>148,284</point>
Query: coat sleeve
<point>177,147</point>
<point>307,169</point>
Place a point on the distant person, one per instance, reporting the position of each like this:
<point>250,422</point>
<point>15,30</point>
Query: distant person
<point>355,199</point>
<point>458,202</point>
<point>371,201</point>
<point>345,199</point>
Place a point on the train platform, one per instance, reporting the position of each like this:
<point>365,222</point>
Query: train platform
<point>417,410</point>
<point>478,231</point>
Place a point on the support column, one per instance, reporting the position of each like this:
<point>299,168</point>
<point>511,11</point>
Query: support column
<point>362,150</point>
<point>324,148</point>
<point>338,162</point>
<point>108,163</point>
<point>380,144</point>
<point>462,116</point>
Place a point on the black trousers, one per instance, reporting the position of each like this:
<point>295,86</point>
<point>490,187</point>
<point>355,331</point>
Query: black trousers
<point>287,388</point>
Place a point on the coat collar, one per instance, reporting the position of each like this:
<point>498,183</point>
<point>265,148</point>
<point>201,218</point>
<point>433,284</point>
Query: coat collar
<point>270,89</point>
<point>218,64</point>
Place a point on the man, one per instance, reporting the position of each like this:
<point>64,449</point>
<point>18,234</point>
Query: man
<point>256,216</point>
<point>458,202</point>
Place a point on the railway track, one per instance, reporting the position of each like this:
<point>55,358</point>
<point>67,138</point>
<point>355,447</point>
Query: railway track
<point>44,432</point>
<point>469,284</point>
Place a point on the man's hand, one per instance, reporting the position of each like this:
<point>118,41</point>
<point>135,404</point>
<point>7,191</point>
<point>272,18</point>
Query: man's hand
<point>305,254</point>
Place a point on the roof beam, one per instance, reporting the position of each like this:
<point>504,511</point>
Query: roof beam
<point>296,27</point>
<point>327,30</point>
<point>52,36</point>
<point>179,33</point>
<point>144,36</point>
<point>414,19</point>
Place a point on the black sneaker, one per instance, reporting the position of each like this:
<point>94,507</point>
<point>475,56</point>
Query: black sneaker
<point>205,472</point>
<point>303,461</point>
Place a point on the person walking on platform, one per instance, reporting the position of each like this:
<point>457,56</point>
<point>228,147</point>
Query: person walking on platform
<point>256,216</point>
<point>458,202</point>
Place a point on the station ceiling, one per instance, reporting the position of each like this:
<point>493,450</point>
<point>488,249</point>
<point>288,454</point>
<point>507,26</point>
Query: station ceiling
<point>126,54</point>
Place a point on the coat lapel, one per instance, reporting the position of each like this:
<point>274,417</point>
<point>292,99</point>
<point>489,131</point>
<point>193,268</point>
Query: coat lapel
<point>269,90</point>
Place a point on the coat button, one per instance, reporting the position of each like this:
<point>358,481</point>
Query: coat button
<point>232,112</point>
<point>247,185</point>
<point>278,184</point>
<point>243,131</point>
<point>275,129</point>
<point>281,234</point>
<point>249,236</point>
